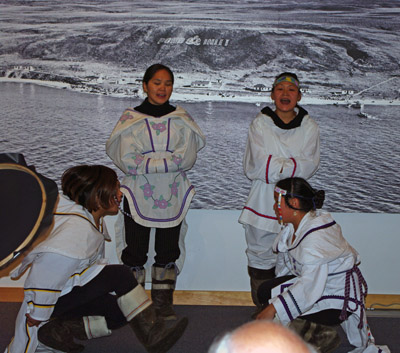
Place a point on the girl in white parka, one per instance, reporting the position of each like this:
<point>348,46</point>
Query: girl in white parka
<point>318,284</point>
<point>71,291</point>
<point>281,143</point>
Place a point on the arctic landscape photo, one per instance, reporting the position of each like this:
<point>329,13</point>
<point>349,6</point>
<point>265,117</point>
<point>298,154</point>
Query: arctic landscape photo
<point>68,69</point>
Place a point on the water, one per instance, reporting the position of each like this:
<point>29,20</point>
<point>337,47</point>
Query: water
<point>56,129</point>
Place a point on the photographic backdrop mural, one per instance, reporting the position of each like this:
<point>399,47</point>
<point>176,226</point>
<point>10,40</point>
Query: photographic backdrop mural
<point>70,68</point>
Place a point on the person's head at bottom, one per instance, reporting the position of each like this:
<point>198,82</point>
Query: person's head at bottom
<point>260,336</point>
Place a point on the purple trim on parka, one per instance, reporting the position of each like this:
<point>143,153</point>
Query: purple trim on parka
<point>340,297</point>
<point>165,165</point>
<point>156,219</point>
<point>286,307</point>
<point>147,165</point>
<point>169,135</point>
<point>150,134</point>
<point>359,306</point>
<point>294,301</point>
<point>325,297</point>
<point>284,286</point>
<point>324,226</point>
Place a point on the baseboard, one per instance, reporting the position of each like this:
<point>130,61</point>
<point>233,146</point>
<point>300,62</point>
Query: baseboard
<point>181,297</point>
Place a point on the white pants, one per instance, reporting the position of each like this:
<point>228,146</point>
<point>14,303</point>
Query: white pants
<point>259,247</point>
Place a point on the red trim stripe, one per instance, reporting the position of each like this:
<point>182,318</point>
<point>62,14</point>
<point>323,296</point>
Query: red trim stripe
<point>294,167</point>
<point>267,169</point>
<point>138,307</point>
<point>259,214</point>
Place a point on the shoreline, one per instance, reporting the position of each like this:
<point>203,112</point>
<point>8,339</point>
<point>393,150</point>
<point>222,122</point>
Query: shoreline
<point>194,98</point>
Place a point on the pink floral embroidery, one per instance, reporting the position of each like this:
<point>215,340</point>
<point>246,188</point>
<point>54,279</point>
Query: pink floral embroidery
<point>125,117</point>
<point>132,171</point>
<point>147,190</point>
<point>138,159</point>
<point>174,188</point>
<point>177,160</point>
<point>160,204</point>
<point>159,127</point>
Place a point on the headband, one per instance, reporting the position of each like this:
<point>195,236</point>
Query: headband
<point>284,192</point>
<point>290,79</point>
<point>280,192</point>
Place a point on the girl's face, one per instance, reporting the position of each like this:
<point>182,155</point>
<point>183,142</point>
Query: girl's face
<point>114,203</point>
<point>285,95</point>
<point>159,88</point>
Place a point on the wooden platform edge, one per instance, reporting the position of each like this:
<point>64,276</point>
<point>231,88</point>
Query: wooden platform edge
<point>225,298</point>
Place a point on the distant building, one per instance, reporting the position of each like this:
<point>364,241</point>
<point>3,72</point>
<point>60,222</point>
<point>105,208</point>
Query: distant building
<point>342,93</point>
<point>126,81</point>
<point>257,88</point>
<point>23,67</point>
<point>260,87</point>
<point>202,84</point>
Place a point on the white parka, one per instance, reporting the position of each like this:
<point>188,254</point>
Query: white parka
<point>72,255</point>
<point>272,154</point>
<point>154,153</point>
<point>323,263</point>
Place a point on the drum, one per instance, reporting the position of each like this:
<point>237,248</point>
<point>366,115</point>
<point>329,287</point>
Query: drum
<point>27,201</point>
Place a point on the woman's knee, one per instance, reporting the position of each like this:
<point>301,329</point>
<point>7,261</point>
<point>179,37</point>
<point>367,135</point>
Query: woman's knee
<point>120,278</point>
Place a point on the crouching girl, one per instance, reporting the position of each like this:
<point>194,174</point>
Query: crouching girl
<point>71,291</point>
<point>318,284</point>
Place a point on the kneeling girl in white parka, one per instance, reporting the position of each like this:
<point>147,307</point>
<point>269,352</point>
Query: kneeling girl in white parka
<point>71,292</point>
<point>318,284</point>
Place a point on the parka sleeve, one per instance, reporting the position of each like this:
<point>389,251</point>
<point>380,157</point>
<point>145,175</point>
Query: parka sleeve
<point>302,294</point>
<point>182,158</point>
<point>263,162</point>
<point>133,158</point>
<point>47,278</point>
<point>256,155</point>
<point>303,162</point>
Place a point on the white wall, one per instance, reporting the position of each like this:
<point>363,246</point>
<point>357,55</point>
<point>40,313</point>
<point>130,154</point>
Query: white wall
<point>216,260</point>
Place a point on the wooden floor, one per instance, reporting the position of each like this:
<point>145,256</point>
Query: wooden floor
<point>374,301</point>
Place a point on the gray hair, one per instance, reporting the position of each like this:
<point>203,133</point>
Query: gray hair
<point>222,344</point>
<point>232,342</point>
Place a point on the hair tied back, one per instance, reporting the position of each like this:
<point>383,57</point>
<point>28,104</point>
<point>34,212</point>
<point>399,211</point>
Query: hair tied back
<point>318,199</point>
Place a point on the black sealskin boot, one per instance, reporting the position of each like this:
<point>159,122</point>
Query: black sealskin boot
<point>152,332</point>
<point>140,275</point>
<point>258,277</point>
<point>324,339</point>
<point>59,334</point>
<point>162,291</point>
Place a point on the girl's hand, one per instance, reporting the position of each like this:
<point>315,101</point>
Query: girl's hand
<point>267,314</point>
<point>32,322</point>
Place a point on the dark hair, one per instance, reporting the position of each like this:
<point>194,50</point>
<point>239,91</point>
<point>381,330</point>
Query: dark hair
<point>299,188</point>
<point>291,74</point>
<point>91,186</point>
<point>153,69</point>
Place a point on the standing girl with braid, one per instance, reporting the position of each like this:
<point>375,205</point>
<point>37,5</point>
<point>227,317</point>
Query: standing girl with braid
<point>318,284</point>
